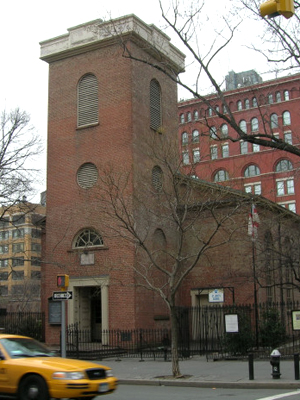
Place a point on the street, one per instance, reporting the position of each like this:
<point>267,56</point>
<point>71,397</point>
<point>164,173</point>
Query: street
<point>140,392</point>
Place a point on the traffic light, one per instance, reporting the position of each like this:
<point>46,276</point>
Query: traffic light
<point>273,8</point>
<point>63,281</point>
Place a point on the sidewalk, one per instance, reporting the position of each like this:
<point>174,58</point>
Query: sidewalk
<point>198,372</point>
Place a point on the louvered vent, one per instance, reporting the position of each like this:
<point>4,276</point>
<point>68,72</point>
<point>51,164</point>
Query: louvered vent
<point>87,175</point>
<point>155,105</point>
<point>157,178</point>
<point>88,100</point>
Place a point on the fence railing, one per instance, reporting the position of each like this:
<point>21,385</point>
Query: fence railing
<point>24,323</point>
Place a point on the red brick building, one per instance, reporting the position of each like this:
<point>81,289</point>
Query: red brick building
<point>256,105</point>
<point>108,116</point>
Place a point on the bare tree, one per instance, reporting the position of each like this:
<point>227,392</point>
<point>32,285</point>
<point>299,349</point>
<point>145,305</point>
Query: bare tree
<point>172,222</point>
<point>188,24</point>
<point>19,144</point>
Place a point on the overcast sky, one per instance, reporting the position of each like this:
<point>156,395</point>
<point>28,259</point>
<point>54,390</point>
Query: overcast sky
<point>23,24</point>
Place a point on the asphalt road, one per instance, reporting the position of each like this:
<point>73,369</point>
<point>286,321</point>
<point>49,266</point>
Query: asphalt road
<point>140,392</point>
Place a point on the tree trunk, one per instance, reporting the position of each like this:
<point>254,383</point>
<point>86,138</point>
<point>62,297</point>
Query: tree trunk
<point>174,345</point>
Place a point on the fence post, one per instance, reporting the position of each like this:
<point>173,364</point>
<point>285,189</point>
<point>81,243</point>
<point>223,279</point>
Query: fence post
<point>141,344</point>
<point>296,366</point>
<point>251,366</point>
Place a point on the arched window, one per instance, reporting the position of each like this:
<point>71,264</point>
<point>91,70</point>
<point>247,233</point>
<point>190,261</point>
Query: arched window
<point>87,101</point>
<point>196,115</point>
<point>251,170</point>
<point>182,118</point>
<point>213,132</point>
<point>274,121</point>
<point>243,126</point>
<point>239,105</point>
<point>224,130</point>
<point>286,95</point>
<point>88,238</point>
<point>283,165</point>
<point>157,178</point>
<point>195,136</point>
<point>254,102</point>
<point>189,117</point>
<point>184,139</point>
<point>254,124</point>
<point>247,104</point>
<point>270,98</point>
<point>155,105</point>
<point>221,176</point>
<point>278,97</point>
<point>210,112</point>
<point>286,118</point>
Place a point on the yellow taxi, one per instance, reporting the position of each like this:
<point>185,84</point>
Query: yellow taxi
<point>30,371</point>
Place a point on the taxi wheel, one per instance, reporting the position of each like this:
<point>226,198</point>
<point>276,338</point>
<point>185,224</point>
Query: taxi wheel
<point>33,387</point>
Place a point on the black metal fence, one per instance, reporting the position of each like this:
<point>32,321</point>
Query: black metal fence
<point>202,331</point>
<point>24,323</point>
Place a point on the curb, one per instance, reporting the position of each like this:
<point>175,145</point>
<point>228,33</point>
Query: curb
<point>212,384</point>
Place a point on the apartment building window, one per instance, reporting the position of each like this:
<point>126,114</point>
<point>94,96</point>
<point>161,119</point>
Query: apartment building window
<point>288,137</point>
<point>225,111</point>
<point>225,150</point>
<point>274,121</point>
<point>35,274</point>
<point>18,219</point>
<point>270,98</point>
<point>254,124</point>
<point>285,187</point>
<point>189,117</point>
<point>243,125</point>
<point>185,157</point>
<point>17,261</point>
<point>87,100</point>
<point>224,130</point>
<point>286,95</point>
<point>278,97</point>
<point>254,102</point>
<point>196,155</point>
<point>155,105</point>
<point>36,247</point>
<point>244,147</point>
<point>4,263</point>
<point>217,109</point>
<point>247,104</point>
<point>283,165</point>
<point>17,275</point>
<point>255,148</point>
<point>221,176</point>
<point>4,235</point>
<point>4,222</point>
<point>286,118</point>
<point>18,233</point>
<point>196,115</point>
<point>36,233</point>
<point>195,136</point>
<point>18,247</point>
<point>210,112</point>
<point>213,132</point>
<point>3,276</point>
<point>184,139</point>
<point>213,152</point>
<point>4,249</point>
<point>182,118</point>
<point>36,261</point>
<point>291,205</point>
<point>254,188</point>
<point>251,170</point>
<point>239,105</point>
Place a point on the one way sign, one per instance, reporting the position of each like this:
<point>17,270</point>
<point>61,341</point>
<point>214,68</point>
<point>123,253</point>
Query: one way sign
<point>62,295</point>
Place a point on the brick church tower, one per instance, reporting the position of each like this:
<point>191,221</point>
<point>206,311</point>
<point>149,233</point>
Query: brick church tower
<point>103,108</point>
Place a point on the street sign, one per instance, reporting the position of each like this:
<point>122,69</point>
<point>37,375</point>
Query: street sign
<point>62,295</point>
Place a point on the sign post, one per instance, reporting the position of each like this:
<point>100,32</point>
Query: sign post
<point>63,283</point>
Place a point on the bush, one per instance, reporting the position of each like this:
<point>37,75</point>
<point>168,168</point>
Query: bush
<point>239,343</point>
<point>271,331</point>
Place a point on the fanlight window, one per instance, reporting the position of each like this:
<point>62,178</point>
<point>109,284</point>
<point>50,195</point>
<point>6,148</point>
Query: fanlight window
<point>283,165</point>
<point>88,238</point>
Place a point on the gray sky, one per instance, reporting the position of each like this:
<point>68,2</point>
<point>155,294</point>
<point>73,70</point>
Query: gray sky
<point>23,24</point>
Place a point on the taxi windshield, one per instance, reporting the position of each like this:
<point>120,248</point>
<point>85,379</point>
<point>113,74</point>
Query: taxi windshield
<point>25,347</point>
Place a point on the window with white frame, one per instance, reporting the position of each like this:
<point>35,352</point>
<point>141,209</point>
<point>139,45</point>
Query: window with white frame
<point>283,165</point>
<point>251,170</point>
<point>185,157</point>
<point>213,132</point>
<point>254,102</point>
<point>288,137</point>
<point>247,104</point>
<point>225,150</point>
<point>213,152</point>
<point>210,112</point>
<point>255,148</point>
<point>286,118</point>
<point>88,238</point>
<point>196,155</point>
<point>182,118</point>
<point>195,136</point>
<point>270,98</point>
<point>274,121</point>
<point>254,188</point>
<point>196,115</point>
<point>285,187</point>
<point>278,97</point>
<point>189,117</point>
<point>290,205</point>
<point>286,95</point>
<point>239,105</point>
<point>184,139</point>
<point>224,130</point>
<point>244,147</point>
<point>254,124</point>
<point>221,176</point>
<point>243,125</point>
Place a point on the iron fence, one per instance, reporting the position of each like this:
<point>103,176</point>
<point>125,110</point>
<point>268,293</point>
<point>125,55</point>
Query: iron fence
<point>24,323</point>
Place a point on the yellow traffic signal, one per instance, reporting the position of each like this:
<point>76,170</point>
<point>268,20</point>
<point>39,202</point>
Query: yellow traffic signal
<point>63,281</point>
<point>273,8</point>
